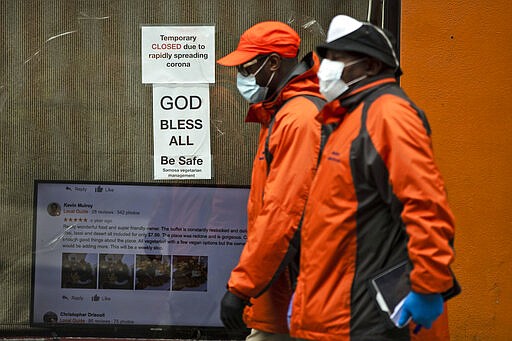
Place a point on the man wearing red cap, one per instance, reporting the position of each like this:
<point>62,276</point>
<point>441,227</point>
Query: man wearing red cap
<point>377,203</point>
<point>284,98</point>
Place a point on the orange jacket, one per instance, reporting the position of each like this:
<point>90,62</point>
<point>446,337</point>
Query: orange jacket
<point>377,199</point>
<point>276,201</point>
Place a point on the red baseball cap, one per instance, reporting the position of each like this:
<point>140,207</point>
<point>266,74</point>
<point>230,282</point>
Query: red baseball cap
<point>264,38</point>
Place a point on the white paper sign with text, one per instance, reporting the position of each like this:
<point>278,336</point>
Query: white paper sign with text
<point>181,132</point>
<point>178,54</point>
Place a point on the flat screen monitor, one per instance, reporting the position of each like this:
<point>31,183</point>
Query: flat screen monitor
<point>148,259</point>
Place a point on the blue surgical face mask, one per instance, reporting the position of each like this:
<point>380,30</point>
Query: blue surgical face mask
<point>248,87</point>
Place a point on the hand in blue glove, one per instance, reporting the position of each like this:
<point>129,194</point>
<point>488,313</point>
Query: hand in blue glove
<point>289,314</point>
<point>423,308</point>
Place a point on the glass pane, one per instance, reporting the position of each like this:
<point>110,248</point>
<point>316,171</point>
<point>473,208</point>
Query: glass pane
<point>73,107</point>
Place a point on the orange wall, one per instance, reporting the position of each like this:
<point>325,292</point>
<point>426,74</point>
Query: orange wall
<point>457,63</point>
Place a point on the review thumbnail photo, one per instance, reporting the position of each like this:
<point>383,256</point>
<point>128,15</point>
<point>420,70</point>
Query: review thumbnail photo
<point>190,273</point>
<point>79,270</point>
<point>116,271</point>
<point>153,272</point>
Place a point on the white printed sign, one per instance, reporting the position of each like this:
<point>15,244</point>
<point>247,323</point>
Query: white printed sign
<point>181,132</point>
<point>178,54</point>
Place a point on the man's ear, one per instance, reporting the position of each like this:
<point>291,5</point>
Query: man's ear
<point>374,66</point>
<point>274,61</point>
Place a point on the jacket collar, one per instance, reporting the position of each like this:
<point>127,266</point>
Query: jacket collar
<point>302,80</point>
<point>336,110</point>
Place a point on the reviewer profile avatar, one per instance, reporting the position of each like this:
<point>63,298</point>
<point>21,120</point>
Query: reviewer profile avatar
<point>53,209</point>
<point>50,317</point>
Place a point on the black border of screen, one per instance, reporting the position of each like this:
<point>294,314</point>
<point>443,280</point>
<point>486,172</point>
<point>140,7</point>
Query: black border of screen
<point>141,331</point>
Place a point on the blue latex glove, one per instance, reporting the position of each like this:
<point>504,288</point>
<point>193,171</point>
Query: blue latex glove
<point>424,309</point>
<point>289,315</point>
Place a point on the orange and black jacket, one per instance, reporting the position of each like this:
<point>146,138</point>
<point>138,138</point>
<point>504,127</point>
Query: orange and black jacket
<point>278,195</point>
<point>377,199</point>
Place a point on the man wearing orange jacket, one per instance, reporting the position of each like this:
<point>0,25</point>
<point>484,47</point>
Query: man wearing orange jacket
<point>284,99</point>
<point>377,201</point>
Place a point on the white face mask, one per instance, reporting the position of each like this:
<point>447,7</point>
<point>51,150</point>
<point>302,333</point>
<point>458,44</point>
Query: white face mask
<point>248,87</point>
<point>329,76</point>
